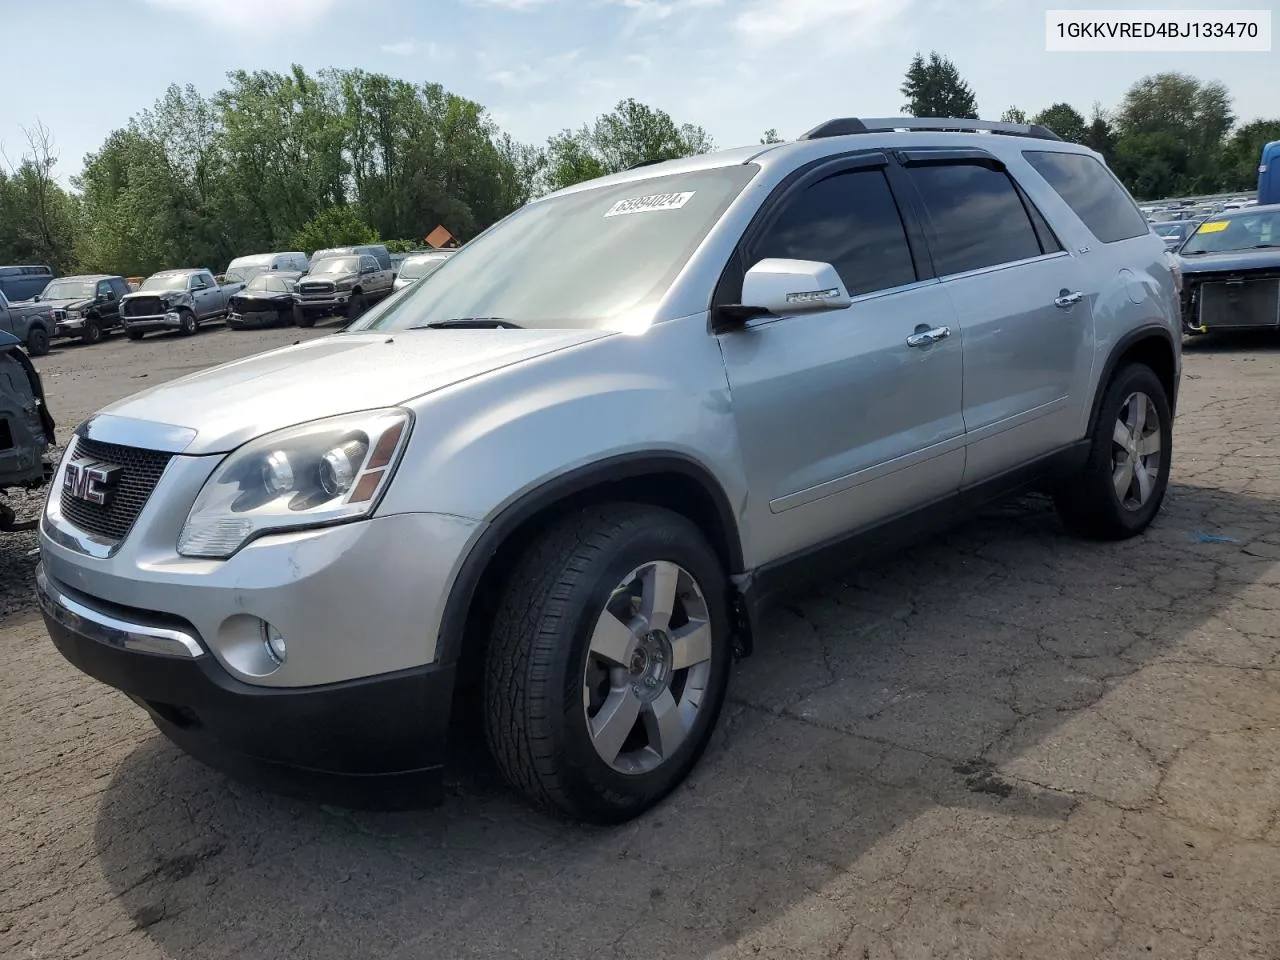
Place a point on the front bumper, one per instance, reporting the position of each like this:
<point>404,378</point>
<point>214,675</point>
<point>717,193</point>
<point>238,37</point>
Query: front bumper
<point>335,302</point>
<point>239,320</point>
<point>157,321</point>
<point>375,742</point>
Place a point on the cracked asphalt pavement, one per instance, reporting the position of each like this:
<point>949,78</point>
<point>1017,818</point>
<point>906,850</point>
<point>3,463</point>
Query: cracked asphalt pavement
<point>1003,743</point>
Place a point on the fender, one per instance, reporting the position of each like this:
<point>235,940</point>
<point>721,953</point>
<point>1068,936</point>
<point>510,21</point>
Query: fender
<point>610,470</point>
<point>1126,342</point>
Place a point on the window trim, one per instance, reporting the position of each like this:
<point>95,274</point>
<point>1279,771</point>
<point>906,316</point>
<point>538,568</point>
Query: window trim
<point>999,167</point>
<point>799,180</point>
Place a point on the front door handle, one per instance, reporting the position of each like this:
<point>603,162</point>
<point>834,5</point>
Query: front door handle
<point>926,337</point>
<point>1066,300</point>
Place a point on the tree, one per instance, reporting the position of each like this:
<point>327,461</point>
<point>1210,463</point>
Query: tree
<point>771,136</point>
<point>1013,115</point>
<point>1180,106</point>
<point>633,133</point>
<point>1099,135</point>
<point>37,217</point>
<point>934,88</point>
<point>1153,165</point>
<point>1241,153</point>
<point>1064,120</point>
<point>334,227</point>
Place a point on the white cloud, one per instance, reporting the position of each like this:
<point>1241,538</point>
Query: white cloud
<point>241,14</point>
<point>519,76</point>
<point>406,48</point>
<point>767,22</point>
<point>509,4</point>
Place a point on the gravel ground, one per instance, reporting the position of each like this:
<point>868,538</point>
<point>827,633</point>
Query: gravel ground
<point>1002,744</point>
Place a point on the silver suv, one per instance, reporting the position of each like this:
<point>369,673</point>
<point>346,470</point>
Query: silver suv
<point>551,489</point>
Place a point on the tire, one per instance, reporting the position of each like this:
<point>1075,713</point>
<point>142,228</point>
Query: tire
<point>545,685</point>
<point>188,325</point>
<point>133,334</point>
<point>302,319</point>
<point>92,332</point>
<point>1091,505</point>
<point>355,306</point>
<point>37,341</point>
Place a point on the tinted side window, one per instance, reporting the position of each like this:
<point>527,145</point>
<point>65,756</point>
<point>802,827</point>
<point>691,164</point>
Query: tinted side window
<point>849,220</point>
<point>976,218</point>
<point>119,285</point>
<point>104,287</point>
<point>1093,192</point>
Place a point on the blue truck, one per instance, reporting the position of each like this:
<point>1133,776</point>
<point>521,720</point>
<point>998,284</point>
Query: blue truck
<point>1269,174</point>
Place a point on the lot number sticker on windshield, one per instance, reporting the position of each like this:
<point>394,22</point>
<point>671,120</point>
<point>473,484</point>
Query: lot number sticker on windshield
<point>1216,227</point>
<point>656,201</point>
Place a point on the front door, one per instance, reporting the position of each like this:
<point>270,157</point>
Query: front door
<point>841,422</point>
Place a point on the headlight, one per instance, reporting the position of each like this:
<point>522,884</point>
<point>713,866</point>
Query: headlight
<point>318,473</point>
<point>74,314</point>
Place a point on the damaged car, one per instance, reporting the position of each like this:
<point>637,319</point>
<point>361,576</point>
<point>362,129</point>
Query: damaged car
<point>1231,272</point>
<point>26,429</point>
<point>266,301</point>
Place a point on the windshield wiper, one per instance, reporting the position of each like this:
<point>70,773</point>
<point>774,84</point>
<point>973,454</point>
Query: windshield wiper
<point>1265,246</point>
<point>468,323</point>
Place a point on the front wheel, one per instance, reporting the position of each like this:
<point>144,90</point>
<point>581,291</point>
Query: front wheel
<point>302,319</point>
<point>132,334</point>
<point>38,342</point>
<point>92,333</point>
<point>187,324</point>
<point>1122,485</point>
<point>608,662</point>
<point>355,306</point>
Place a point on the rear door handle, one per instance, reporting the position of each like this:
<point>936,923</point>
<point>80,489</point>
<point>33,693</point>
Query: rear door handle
<point>926,337</point>
<point>1066,301</point>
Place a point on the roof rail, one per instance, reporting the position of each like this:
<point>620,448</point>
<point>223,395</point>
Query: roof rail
<point>843,126</point>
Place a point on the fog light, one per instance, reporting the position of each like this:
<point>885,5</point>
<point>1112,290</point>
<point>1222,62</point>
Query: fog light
<point>273,640</point>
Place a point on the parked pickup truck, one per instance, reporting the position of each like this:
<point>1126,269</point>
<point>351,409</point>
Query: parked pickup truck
<point>343,285</point>
<point>86,307</point>
<point>30,322</point>
<point>26,425</point>
<point>175,300</point>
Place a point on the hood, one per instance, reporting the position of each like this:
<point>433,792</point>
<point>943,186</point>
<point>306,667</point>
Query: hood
<point>75,303</point>
<point>1267,258</point>
<point>329,277</point>
<point>163,294</point>
<point>238,401</point>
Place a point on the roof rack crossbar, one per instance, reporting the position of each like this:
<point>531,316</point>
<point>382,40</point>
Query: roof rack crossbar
<point>844,126</point>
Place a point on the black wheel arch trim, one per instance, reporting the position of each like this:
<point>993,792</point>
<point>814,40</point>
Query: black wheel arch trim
<point>609,470</point>
<point>1145,332</point>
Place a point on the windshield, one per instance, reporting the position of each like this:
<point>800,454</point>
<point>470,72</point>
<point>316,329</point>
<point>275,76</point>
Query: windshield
<point>337,265</point>
<point>331,253</point>
<point>1242,230</point>
<point>417,269</point>
<point>244,273</point>
<point>601,257</point>
<point>265,281</point>
<point>165,281</point>
<point>1169,229</point>
<point>69,290</point>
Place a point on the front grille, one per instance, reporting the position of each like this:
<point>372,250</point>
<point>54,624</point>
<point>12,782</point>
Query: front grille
<point>1240,303</point>
<point>142,307</point>
<point>140,471</point>
<point>312,289</point>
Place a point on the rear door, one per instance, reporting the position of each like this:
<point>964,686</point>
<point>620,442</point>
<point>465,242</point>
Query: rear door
<point>1021,301</point>
<point>841,423</point>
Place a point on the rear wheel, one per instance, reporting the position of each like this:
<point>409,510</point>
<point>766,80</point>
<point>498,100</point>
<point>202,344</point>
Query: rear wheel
<point>608,662</point>
<point>38,341</point>
<point>1122,485</point>
<point>92,332</point>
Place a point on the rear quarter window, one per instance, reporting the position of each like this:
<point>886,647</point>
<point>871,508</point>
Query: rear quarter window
<point>1092,192</point>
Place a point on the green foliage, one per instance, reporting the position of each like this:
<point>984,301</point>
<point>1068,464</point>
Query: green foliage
<point>631,134</point>
<point>1014,115</point>
<point>333,227</point>
<point>1064,120</point>
<point>1172,106</point>
<point>934,88</point>
<point>1241,152</point>
<point>771,136</point>
<point>38,218</point>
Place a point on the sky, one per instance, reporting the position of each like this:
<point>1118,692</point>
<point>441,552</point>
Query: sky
<point>735,67</point>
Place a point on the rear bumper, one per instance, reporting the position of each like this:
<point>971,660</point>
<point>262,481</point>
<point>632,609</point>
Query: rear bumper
<point>378,741</point>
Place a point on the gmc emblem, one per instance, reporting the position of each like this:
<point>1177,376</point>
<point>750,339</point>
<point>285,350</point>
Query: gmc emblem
<point>90,481</point>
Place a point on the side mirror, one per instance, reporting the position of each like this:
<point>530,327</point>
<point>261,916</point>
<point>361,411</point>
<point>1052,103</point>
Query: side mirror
<point>368,270</point>
<point>777,287</point>
<point>36,298</point>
